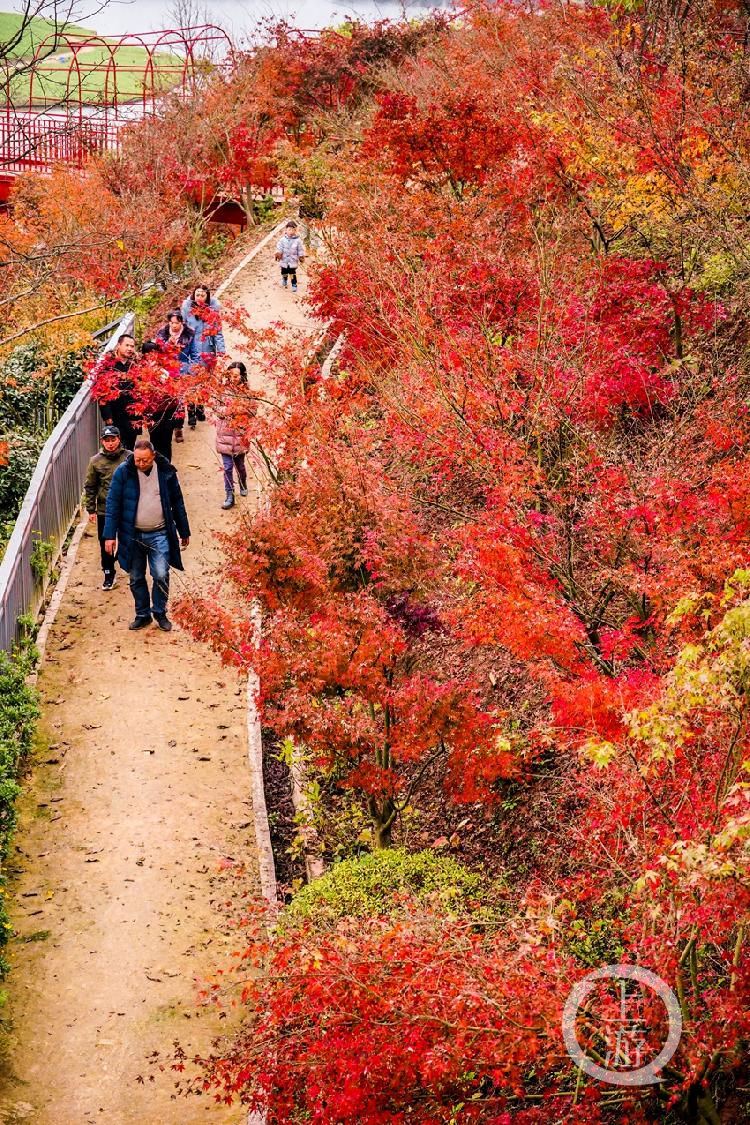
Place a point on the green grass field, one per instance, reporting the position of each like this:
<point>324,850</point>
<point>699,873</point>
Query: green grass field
<point>51,86</point>
<point>37,30</point>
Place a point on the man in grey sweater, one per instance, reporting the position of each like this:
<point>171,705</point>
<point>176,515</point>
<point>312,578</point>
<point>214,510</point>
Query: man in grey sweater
<point>146,522</point>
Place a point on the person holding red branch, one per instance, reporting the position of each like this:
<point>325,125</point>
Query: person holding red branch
<point>202,315</point>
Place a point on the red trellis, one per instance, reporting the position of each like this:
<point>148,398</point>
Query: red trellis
<point>62,113</point>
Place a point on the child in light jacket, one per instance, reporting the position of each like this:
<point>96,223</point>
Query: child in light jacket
<point>290,251</point>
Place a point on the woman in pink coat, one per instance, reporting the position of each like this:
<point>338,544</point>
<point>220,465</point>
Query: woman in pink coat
<point>230,443</point>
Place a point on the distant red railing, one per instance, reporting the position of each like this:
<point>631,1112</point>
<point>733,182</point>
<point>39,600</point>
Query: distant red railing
<point>72,96</point>
<point>37,142</point>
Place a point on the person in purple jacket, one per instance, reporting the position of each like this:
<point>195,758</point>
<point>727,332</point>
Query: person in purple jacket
<point>230,442</point>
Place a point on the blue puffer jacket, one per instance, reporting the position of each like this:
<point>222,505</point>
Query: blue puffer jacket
<point>122,505</point>
<point>205,342</point>
<point>189,352</point>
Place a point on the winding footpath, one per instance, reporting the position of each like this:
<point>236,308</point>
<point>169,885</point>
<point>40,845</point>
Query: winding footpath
<point>131,831</point>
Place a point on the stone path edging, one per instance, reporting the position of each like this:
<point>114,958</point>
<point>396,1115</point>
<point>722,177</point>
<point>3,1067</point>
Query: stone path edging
<point>222,288</point>
<point>53,606</point>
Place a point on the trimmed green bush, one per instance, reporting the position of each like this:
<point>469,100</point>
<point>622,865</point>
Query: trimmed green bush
<point>19,711</point>
<point>378,883</point>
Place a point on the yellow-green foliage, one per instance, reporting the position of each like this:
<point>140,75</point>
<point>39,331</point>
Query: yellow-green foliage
<point>378,884</point>
<point>713,675</point>
<point>719,271</point>
<point>595,941</point>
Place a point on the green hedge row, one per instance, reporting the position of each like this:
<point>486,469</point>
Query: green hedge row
<point>19,711</point>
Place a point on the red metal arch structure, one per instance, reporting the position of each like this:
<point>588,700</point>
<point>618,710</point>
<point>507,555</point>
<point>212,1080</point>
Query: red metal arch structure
<point>78,89</point>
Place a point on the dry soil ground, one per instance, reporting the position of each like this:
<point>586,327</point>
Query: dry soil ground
<point>139,794</point>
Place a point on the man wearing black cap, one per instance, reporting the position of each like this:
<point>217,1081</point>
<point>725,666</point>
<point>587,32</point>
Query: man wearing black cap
<point>98,479</point>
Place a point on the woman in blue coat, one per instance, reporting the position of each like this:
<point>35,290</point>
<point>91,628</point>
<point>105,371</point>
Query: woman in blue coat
<point>180,337</point>
<point>178,342</point>
<point>202,314</point>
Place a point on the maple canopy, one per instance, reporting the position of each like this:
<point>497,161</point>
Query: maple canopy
<point>501,560</point>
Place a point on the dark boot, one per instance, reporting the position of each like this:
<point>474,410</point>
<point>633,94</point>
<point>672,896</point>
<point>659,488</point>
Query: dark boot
<point>229,501</point>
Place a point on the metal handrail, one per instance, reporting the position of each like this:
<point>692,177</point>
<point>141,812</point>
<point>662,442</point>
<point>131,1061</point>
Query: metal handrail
<point>50,505</point>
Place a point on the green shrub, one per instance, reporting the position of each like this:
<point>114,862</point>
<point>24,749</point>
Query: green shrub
<point>34,391</point>
<point>15,475</point>
<point>215,244</point>
<point>18,715</point>
<point>264,209</point>
<point>22,394</point>
<point>598,940</point>
<point>144,304</point>
<point>67,375</point>
<point>377,884</point>
<point>305,177</point>
<point>42,553</point>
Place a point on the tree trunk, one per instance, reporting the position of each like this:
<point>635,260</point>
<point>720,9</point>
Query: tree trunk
<point>701,1109</point>
<point>382,836</point>
<point>382,817</point>
<point>247,201</point>
<point>707,1110</point>
<point>678,335</point>
<point>50,420</point>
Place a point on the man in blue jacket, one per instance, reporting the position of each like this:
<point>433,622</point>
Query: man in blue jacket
<point>146,521</point>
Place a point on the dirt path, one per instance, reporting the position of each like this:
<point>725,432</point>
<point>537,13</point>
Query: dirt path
<point>139,795</point>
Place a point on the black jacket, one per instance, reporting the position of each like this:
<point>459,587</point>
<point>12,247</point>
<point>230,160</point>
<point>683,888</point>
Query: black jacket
<point>116,412</point>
